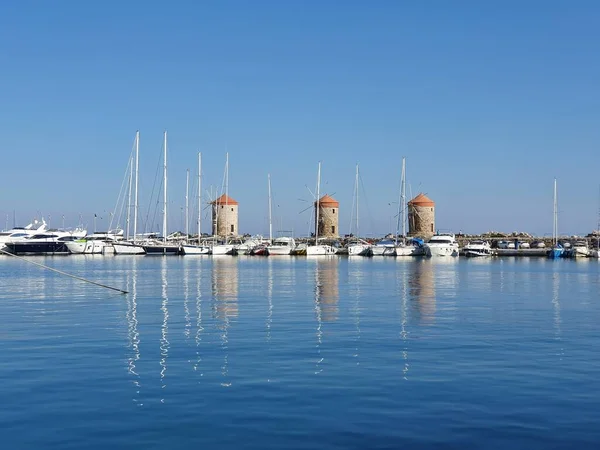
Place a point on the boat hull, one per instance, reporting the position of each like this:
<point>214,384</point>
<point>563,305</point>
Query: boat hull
<point>38,248</point>
<point>89,247</point>
<point>223,249</point>
<point>359,250</point>
<point>279,250</point>
<point>195,250</point>
<point>128,249</point>
<point>435,251</point>
<point>320,250</point>
<point>160,250</point>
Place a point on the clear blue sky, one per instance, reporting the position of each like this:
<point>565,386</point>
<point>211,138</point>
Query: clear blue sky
<point>488,102</point>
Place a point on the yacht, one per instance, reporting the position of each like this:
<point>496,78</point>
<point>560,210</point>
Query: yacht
<point>282,246</point>
<point>47,243</point>
<point>20,233</point>
<point>478,248</point>
<point>412,248</point>
<point>384,248</point>
<point>441,245</point>
<point>95,244</point>
<point>580,248</point>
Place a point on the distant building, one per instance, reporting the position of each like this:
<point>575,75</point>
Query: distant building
<point>328,217</point>
<point>421,216</point>
<point>225,216</point>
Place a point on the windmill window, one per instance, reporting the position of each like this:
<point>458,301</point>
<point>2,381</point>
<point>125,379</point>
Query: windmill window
<point>232,228</point>
<point>432,228</point>
<point>222,206</point>
<point>333,210</point>
<point>231,209</point>
<point>333,228</point>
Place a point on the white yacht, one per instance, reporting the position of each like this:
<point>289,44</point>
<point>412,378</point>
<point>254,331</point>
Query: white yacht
<point>384,248</point>
<point>412,248</point>
<point>47,242</point>
<point>282,246</point>
<point>320,250</point>
<point>442,245</point>
<point>95,244</point>
<point>580,248</point>
<point>20,233</point>
<point>478,248</point>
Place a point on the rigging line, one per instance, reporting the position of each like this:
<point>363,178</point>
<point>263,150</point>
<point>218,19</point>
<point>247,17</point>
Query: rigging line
<point>64,273</point>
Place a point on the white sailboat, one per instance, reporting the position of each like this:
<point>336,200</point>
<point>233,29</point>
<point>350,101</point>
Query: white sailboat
<point>402,248</point>
<point>131,247</point>
<point>557,250</point>
<point>357,246</point>
<point>319,249</point>
<point>162,246</point>
<point>595,253</point>
<point>201,248</point>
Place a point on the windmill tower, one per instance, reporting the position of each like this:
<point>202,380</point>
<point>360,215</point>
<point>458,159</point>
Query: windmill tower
<point>225,216</point>
<point>328,217</point>
<point>421,216</point>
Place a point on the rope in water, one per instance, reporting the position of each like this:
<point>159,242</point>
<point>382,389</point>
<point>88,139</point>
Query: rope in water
<point>64,273</point>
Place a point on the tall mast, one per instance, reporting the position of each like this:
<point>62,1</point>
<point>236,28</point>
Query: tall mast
<point>199,223</point>
<point>555,224</point>
<point>137,164</point>
<point>270,211</point>
<point>129,196</point>
<point>187,204</point>
<point>356,184</point>
<point>226,193</point>
<point>317,204</point>
<point>403,198</point>
<point>164,230</point>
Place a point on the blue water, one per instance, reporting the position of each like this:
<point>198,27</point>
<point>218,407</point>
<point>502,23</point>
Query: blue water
<point>331,353</point>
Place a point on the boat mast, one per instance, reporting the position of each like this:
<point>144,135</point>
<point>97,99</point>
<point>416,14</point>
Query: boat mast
<point>165,188</point>
<point>187,204</point>
<point>226,193</point>
<point>555,223</point>
<point>137,163</point>
<point>199,223</point>
<point>129,196</point>
<point>317,204</point>
<point>270,211</point>
<point>356,189</point>
<point>403,198</point>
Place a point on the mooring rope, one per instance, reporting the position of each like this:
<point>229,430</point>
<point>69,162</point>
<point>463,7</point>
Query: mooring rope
<point>63,273</point>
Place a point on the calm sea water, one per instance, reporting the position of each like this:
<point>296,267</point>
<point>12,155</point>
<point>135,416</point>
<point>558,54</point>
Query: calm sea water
<point>328,353</point>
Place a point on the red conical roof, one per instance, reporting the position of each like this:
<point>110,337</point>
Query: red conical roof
<point>327,200</point>
<point>225,200</point>
<point>421,200</point>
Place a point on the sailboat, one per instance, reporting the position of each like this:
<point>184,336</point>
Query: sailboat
<point>357,247</point>
<point>557,250</point>
<point>595,253</point>
<point>319,249</point>
<point>402,248</point>
<point>163,247</point>
<point>200,249</point>
<point>131,247</point>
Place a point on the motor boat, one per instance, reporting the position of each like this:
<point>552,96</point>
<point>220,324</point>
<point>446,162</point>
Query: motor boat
<point>281,246</point>
<point>477,248</point>
<point>385,247</point>
<point>412,248</point>
<point>441,245</point>
<point>20,233</point>
<point>97,243</point>
<point>47,243</point>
